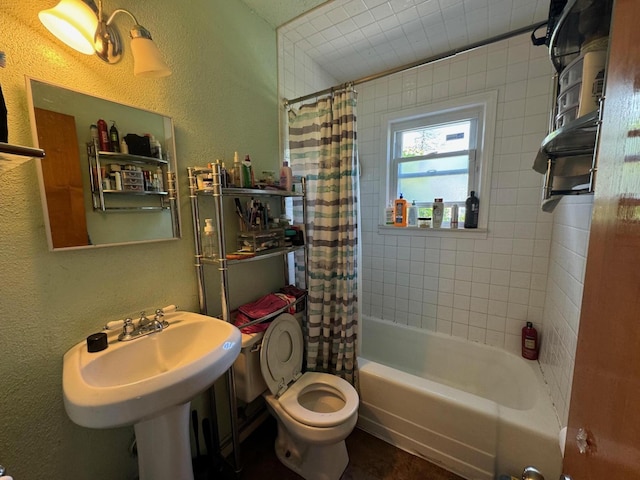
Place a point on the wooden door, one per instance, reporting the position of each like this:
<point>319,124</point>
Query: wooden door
<point>62,178</point>
<point>605,399</point>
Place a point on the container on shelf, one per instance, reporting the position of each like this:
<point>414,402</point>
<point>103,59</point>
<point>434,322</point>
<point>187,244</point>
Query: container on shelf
<point>569,99</point>
<point>260,241</point>
<point>567,116</point>
<point>571,75</point>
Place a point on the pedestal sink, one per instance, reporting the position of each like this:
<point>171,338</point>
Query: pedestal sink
<point>149,383</point>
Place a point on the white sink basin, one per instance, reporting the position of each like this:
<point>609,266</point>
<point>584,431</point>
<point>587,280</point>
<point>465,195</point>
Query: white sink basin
<point>150,382</point>
<point>134,380</point>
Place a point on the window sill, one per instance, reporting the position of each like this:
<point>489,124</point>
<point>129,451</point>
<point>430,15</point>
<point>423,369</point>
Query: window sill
<point>475,233</point>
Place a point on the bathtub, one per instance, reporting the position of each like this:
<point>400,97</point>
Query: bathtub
<point>475,410</point>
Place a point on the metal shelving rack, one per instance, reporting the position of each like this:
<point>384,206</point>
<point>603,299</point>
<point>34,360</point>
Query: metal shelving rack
<point>567,156</point>
<point>222,263</point>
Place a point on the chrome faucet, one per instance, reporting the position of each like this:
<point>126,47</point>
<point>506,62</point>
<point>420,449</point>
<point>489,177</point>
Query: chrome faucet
<point>144,326</point>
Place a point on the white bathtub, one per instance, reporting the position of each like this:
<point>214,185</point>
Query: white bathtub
<point>475,410</point>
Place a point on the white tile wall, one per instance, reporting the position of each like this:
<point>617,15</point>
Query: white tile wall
<point>480,289</point>
<point>565,282</point>
<point>531,264</point>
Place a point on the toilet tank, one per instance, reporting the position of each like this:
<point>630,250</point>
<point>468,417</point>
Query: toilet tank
<point>246,369</point>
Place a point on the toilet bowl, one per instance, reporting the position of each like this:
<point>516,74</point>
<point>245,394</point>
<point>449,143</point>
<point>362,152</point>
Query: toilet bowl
<point>314,411</point>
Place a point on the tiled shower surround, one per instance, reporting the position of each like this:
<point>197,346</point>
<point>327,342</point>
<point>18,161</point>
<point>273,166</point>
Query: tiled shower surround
<point>479,285</point>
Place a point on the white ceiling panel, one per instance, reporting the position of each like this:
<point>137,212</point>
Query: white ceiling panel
<point>352,39</point>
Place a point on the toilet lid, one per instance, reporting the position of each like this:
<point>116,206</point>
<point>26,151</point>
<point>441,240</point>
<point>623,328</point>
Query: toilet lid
<point>281,353</point>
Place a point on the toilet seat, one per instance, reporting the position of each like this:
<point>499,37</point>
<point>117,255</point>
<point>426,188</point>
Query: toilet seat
<point>281,364</point>
<point>281,353</point>
<point>333,385</point>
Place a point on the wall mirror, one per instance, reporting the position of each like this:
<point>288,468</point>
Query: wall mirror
<point>92,194</point>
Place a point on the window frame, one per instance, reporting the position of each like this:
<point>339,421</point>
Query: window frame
<point>481,106</point>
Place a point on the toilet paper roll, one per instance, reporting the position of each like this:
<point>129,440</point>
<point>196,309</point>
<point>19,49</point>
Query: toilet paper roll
<point>562,439</point>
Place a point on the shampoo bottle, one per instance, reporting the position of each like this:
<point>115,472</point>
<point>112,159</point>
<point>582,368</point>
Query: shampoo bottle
<point>286,177</point>
<point>400,212</point>
<point>472,207</point>
<point>529,342</point>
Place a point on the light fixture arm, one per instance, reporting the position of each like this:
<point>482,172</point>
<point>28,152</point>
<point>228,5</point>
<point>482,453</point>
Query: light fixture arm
<point>119,10</point>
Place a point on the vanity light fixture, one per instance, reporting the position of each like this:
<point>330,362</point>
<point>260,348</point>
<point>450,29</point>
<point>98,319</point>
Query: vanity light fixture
<point>82,26</point>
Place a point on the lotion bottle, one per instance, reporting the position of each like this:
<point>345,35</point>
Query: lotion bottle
<point>236,171</point>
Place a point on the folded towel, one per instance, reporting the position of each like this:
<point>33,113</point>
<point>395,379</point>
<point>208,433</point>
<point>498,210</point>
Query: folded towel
<point>263,306</point>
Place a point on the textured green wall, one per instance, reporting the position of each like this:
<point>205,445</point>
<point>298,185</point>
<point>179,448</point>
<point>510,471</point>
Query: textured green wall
<point>222,97</point>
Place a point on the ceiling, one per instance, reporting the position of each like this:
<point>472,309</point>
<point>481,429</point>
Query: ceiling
<point>352,39</point>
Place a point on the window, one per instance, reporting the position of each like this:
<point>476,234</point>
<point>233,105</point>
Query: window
<point>441,151</point>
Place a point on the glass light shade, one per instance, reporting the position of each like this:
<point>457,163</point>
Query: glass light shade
<point>73,22</point>
<point>147,60</point>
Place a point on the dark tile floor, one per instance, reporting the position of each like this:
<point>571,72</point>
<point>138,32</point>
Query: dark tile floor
<point>369,459</point>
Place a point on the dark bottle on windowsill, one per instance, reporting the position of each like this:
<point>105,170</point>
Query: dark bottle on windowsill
<point>472,208</point>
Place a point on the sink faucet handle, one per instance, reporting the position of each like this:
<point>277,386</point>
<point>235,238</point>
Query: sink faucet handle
<point>159,313</point>
<point>128,327</point>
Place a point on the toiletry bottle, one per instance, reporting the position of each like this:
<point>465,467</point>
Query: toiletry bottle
<point>247,173</point>
<point>95,138</point>
<point>103,136</point>
<point>437,212</point>
<point>225,180</point>
<point>118,180</point>
<point>454,215</point>
<point>124,148</point>
<point>388,214</point>
<point>114,138</point>
<point>160,180</point>
<point>412,215</point>
<point>236,171</point>
<point>529,342</point>
<point>209,249</point>
<point>286,177</point>
<point>154,145</point>
<point>472,208</point>
<point>400,212</point>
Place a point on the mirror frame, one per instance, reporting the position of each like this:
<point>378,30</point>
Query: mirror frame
<point>171,165</point>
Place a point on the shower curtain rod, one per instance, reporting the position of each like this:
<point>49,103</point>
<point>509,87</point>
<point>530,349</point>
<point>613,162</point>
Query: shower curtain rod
<point>419,63</point>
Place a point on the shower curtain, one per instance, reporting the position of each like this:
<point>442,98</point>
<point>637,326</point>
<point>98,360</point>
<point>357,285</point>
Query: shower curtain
<point>322,147</point>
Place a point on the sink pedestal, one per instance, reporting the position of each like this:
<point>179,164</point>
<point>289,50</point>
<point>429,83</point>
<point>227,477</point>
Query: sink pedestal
<point>164,448</point>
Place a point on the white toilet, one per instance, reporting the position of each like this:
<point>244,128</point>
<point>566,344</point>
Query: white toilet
<point>315,412</point>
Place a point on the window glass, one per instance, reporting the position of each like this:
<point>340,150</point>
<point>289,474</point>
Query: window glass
<point>442,150</point>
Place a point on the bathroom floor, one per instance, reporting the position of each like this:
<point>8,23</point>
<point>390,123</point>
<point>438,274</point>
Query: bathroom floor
<point>369,459</point>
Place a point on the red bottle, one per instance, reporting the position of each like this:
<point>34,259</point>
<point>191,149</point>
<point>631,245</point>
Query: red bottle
<point>529,342</point>
<point>103,136</point>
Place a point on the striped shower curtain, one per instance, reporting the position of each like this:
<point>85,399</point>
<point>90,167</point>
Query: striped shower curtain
<point>322,147</point>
